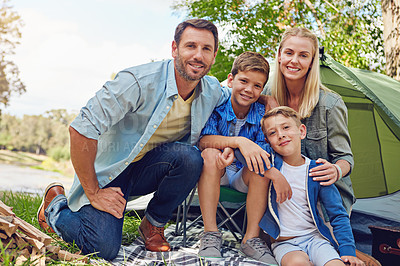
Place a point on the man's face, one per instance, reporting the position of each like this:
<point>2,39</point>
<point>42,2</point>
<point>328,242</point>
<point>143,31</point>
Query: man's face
<point>284,135</point>
<point>195,54</point>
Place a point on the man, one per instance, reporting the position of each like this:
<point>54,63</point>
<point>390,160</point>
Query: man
<point>133,138</point>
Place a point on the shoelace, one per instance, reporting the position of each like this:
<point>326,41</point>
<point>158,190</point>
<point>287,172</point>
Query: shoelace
<point>158,231</point>
<point>259,245</point>
<point>210,240</point>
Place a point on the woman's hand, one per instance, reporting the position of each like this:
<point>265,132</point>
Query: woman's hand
<point>326,172</point>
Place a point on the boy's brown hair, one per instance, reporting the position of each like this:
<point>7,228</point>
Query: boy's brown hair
<point>250,61</point>
<point>280,110</point>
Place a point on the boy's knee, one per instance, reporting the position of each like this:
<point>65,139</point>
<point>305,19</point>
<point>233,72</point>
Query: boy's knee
<point>209,155</point>
<point>297,261</point>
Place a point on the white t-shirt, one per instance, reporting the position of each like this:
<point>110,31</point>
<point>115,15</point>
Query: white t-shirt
<point>294,214</point>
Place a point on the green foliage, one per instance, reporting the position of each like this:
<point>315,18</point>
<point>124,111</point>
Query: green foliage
<point>40,134</point>
<point>25,207</point>
<point>130,227</point>
<point>10,23</point>
<point>351,31</point>
<point>59,153</point>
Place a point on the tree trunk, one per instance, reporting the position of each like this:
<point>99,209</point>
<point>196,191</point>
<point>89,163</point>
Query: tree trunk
<point>391,33</point>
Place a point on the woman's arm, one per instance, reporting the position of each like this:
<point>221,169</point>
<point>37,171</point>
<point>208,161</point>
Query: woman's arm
<point>338,145</point>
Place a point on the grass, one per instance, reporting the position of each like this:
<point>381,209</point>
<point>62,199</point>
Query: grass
<point>25,207</point>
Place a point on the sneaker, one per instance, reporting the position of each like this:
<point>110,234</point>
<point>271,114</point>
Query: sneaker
<point>257,249</point>
<point>210,245</point>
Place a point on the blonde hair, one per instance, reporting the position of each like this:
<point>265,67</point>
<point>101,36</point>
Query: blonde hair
<point>286,111</point>
<point>310,93</point>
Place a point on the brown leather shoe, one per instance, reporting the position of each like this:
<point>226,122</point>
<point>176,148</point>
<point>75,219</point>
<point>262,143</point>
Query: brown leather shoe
<point>367,259</point>
<point>153,236</point>
<point>50,193</point>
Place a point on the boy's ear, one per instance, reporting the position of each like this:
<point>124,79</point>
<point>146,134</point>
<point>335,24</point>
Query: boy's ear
<point>303,131</point>
<point>230,80</point>
<point>266,140</point>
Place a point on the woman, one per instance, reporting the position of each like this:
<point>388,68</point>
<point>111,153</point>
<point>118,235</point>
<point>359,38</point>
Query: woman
<point>297,84</point>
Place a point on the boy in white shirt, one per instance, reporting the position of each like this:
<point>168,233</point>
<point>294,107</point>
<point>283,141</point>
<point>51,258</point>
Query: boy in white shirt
<point>300,234</point>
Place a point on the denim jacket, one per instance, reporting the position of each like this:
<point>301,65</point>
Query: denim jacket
<point>330,199</point>
<point>125,113</point>
<point>328,138</point>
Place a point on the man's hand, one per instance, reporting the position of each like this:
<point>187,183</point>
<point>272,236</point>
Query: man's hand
<point>225,158</point>
<point>109,200</point>
<point>353,261</point>
<point>254,155</point>
<point>281,185</point>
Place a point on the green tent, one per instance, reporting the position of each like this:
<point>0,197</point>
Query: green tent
<point>373,102</point>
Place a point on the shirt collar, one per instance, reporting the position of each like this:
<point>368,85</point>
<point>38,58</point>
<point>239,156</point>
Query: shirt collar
<point>251,117</point>
<point>172,89</point>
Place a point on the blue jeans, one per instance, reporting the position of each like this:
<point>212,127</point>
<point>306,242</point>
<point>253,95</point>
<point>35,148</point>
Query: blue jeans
<point>171,170</point>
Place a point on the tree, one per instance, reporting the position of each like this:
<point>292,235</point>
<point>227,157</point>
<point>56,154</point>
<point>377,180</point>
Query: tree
<point>391,32</point>
<point>10,23</point>
<point>350,31</point>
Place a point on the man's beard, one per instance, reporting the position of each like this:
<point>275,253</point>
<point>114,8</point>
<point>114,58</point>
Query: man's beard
<point>180,67</point>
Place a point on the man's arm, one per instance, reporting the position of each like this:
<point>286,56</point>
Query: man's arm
<point>83,154</point>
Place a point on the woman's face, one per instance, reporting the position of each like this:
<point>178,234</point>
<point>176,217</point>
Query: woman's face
<point>295,58</point>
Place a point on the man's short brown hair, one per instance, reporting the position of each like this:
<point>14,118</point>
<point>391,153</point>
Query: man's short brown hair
<point>280,110</point>
<point>250,61</point>
<point>198,24</point>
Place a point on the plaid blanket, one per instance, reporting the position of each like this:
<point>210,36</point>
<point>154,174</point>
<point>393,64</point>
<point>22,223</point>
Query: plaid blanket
<point>136,254</point>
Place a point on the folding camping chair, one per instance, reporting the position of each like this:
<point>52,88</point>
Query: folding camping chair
<point>227,195</point>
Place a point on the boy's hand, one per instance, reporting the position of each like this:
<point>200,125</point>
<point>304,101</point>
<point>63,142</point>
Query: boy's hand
<point>353,261</point>
<point>325,172</point>
<point>225,158</point>
<point>281,185</point>
<point>254,155</point>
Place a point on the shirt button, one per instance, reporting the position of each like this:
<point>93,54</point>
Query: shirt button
<point>109,177</point>
<point>155,126</point>
<point>126,163</point>
<point>141,145</point>
<point>167,107</point>
<point>176,97</point>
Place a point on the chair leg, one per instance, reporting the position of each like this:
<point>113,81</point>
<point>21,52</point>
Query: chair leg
<point>225,222</point>
<point>184,224</point>
<point>178,220</point>
<point>181,227</point>
<point>229,218</point>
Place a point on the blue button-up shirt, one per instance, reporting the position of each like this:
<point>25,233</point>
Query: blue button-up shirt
<point>222,122</point>
<point>125,113</point>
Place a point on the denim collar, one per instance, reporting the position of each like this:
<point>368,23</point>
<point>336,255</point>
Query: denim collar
<point>172,89</point>
<point>226,110</point>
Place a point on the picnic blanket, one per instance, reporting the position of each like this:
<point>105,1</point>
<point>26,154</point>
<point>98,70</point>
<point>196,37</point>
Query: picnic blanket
<point>136,254</point>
